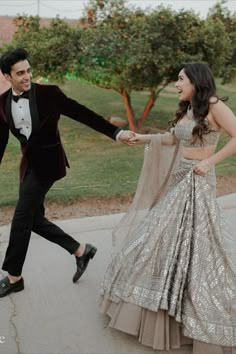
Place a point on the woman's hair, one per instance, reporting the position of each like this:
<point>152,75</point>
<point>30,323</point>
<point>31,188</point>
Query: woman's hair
<point>9,59</point>
<point>203,82</point>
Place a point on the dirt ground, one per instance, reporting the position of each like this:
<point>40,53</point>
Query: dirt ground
<point>102,206</point>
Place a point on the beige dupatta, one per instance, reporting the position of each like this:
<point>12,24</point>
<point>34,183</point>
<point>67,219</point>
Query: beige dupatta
<point>158,166</point>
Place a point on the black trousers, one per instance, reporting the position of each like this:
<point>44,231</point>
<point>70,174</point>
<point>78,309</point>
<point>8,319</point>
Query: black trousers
<point>29,216</point>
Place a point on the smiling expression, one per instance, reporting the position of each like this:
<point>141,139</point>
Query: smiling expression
<point>20,77</point>
<point>184,87</point>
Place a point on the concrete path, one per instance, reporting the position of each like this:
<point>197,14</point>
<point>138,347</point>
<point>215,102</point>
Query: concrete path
<point>53,315</point>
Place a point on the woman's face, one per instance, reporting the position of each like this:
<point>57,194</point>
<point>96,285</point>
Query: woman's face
<point>184,87</point>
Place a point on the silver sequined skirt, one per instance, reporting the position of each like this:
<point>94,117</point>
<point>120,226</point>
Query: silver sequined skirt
<point>181,260</point>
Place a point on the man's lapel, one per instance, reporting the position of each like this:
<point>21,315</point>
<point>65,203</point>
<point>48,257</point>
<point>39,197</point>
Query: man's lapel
<point>33,110</point>
<point>9,114</point>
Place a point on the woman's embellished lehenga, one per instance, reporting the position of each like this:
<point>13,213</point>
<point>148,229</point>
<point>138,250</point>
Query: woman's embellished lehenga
<point>172,280</point>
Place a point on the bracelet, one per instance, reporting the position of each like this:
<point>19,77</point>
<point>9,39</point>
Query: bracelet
<point>148,142</point>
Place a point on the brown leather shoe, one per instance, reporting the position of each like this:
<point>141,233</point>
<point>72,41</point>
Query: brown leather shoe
<point>7,288</point>
<point>82,262</point>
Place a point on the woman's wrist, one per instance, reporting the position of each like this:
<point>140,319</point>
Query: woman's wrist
<point>208,164</point>
<point>210,161</point>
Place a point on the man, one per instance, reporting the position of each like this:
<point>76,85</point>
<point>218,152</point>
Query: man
<point>31,112</point>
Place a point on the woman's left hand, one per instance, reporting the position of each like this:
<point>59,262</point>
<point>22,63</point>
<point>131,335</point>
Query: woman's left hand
<point>202,167</point>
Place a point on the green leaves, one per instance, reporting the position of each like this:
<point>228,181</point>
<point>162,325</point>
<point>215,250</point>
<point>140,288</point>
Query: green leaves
<point>220,14</point>
<point>52,49</point>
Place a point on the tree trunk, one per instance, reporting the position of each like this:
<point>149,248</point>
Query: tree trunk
<point>129,110</point>
<point>148,107</point>
<point>152,99</point>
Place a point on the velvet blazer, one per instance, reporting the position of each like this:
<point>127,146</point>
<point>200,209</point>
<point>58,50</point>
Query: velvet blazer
<point>43,151</point>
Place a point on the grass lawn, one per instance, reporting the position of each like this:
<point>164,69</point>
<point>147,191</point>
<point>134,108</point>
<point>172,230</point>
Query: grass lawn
<point>100,166</point>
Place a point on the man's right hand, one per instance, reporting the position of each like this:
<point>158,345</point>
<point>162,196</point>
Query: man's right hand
<point>140,138</point>
<point>125,137</point>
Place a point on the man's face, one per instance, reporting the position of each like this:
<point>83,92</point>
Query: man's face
<point>20,77</point>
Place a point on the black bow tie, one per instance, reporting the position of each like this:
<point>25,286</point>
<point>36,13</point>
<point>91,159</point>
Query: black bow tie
<point>25,94</point>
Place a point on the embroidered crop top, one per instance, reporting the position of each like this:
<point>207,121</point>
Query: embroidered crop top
<point>183,132</point>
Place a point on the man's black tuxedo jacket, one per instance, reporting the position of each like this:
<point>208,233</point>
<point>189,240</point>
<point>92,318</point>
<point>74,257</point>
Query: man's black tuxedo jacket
<point>44,151</point>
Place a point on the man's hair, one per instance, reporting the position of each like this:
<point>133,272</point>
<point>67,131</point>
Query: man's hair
<point>10,58</point>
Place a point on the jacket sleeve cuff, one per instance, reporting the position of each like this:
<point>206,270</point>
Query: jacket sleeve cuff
<point>117,134</point>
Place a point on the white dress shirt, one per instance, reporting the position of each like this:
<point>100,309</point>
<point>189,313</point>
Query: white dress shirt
<point>118,135</point>
<point>21,115</point>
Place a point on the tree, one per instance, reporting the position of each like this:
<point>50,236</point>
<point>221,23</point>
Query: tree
<point>52,49</point>
<point>219,12</point>
<point>128,50</point>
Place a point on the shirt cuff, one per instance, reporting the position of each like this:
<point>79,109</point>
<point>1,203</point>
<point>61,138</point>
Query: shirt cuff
<point>118,135</point>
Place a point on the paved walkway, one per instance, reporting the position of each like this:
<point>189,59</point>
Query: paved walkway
<point>53,315</point>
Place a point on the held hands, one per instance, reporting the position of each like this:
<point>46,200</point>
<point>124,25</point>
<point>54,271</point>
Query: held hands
<point>130,138</point>
<point>140,138</point>
<point>202,167</point>
<point>126,136</point>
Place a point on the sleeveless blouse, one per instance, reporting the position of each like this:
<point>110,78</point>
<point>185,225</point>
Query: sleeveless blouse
<point>183,132</point>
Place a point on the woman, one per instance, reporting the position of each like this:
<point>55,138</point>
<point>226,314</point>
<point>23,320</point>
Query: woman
<point>172,280</point>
